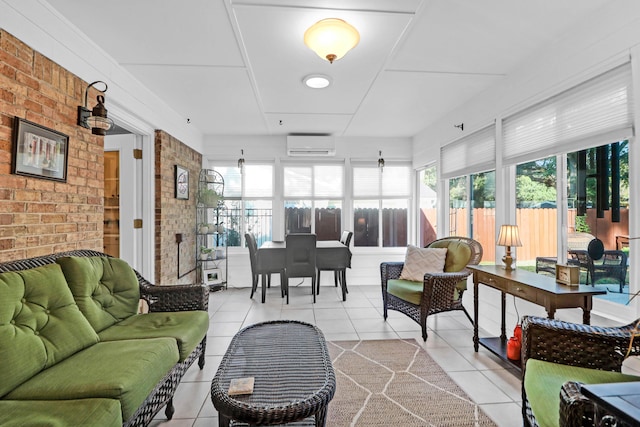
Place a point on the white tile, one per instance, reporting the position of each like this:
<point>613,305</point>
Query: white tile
<point>449,359</point>
<point>504,414</point>
<point>189,399</point>
<point>478,387</point>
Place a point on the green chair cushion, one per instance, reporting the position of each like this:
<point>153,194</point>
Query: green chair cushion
<point>406,290</point>
<point>60,413</point>
<point>105,289</point>
<point>40,324</point>
<point>458,256</point>
<point>188,328</point>
<point>543,381</point>
<point>124,370</point>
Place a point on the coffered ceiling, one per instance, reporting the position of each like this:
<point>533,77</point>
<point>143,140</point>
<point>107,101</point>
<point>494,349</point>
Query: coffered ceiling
<point>236,66</point>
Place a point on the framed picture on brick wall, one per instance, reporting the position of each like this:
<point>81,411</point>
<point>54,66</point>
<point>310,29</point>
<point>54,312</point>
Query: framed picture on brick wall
<point>38,151</point>
<point>182,183</point>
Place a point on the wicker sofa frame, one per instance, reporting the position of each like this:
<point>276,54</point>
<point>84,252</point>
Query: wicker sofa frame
<point>573,344</point>
<point>438,290</point>
<point>159,299</point>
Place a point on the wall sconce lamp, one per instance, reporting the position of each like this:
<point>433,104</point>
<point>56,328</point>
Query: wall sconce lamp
<point>508,237</point>
<point>95,119</point>
<point>380,161</point>
<point>331,38</point>
<point>241,161</point>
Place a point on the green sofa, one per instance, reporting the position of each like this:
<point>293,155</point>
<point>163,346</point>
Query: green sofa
<point>75,351</point>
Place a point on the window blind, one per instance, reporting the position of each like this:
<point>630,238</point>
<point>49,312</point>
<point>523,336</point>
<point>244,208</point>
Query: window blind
<point>473,153</point>
<point>320,181</point>
<point>393,181</point>
<point>598,111</point>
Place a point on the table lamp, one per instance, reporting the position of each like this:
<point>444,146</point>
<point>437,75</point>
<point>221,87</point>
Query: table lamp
<point>508,237</point>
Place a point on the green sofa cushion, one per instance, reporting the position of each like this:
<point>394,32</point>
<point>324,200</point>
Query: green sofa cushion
<point>543,381</point>
<point>188,328</point>
<point>124,370</point>
<point>60,413</point>
<point>40,324</point>
<point>105,289</point>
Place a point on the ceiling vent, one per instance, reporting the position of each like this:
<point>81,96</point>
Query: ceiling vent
<point>311,145</point>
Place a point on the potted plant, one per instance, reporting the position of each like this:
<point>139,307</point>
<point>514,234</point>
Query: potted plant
<point>203,228</point>
<point>205,252</point>
<point>208,197</point>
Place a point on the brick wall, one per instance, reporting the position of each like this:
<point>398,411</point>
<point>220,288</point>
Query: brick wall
<point>174,215</point>
<point>39,216</point>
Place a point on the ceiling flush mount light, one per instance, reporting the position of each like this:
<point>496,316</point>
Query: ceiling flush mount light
<point>95,119</point>
<point>316,81</point>
<point>331,38</point>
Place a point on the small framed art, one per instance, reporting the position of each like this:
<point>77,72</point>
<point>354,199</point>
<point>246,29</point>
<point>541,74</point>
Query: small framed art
<point>212,276</point>
<point>39,152</point>
<point>182,183</point>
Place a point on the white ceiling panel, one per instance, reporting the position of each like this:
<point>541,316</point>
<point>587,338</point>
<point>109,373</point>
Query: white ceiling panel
<point>403,103</point>
<point>236,66</point>
<point>216,100</point>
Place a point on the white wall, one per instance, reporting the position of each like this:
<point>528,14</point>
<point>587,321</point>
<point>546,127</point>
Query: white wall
<point>610,37</point>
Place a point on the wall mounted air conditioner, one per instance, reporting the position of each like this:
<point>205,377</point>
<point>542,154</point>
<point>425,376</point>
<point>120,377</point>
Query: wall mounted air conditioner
<point>311,145</point>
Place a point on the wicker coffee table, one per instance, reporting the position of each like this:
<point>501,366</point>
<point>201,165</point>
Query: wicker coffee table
<point>294,378</point>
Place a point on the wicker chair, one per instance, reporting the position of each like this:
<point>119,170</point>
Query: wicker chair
<point>440,291</point>
<point>613,266</point>
<point>159,299</point>
<point>601,348</point>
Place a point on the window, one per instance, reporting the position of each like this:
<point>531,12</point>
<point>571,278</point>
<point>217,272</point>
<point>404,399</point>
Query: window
<point>381,197</point>
<point>598,207</point>
<point>536,212</point>
<point>477,191</point>
<point>248,199</point>
<point>428,198</point>
<point>313,200</point>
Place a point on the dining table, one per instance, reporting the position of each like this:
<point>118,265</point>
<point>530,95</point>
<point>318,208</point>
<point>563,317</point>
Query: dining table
<point>330,255</point>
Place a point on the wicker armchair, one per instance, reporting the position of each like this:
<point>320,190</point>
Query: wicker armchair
<point>571,344</point>
<point>440,291</point>
<point>159,299</point>
<point>613,265</point>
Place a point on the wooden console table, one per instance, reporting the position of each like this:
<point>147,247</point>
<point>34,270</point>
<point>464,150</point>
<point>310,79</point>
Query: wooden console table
<point>532,287</point>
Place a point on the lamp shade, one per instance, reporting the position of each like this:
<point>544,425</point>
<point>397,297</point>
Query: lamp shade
<point>509,236</point>
<point>331,38</point>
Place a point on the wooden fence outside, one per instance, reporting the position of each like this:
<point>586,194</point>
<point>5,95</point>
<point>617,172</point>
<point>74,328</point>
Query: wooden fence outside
<point>538,229</point>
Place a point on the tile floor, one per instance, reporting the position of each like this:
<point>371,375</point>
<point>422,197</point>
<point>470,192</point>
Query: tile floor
<point>484,377</point>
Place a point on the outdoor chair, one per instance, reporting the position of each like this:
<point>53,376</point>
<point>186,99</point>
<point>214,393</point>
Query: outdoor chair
<point>339,274</point>
<point>438,291</point>
<point>558,356</point>
<point>257,269</point>
<point>612,265</point>
<point>300,260</point>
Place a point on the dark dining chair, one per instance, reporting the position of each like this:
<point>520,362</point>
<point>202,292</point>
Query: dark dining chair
<point>257,269</point>
<point>300,260</point>
<point>339,273</point>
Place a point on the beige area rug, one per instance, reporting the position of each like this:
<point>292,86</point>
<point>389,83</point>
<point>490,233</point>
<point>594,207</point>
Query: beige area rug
<point>395,383</point>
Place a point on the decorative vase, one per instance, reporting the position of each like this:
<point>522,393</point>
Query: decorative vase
<point>513,349</point>
<point>203,229</point>
<point>204,256</point>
